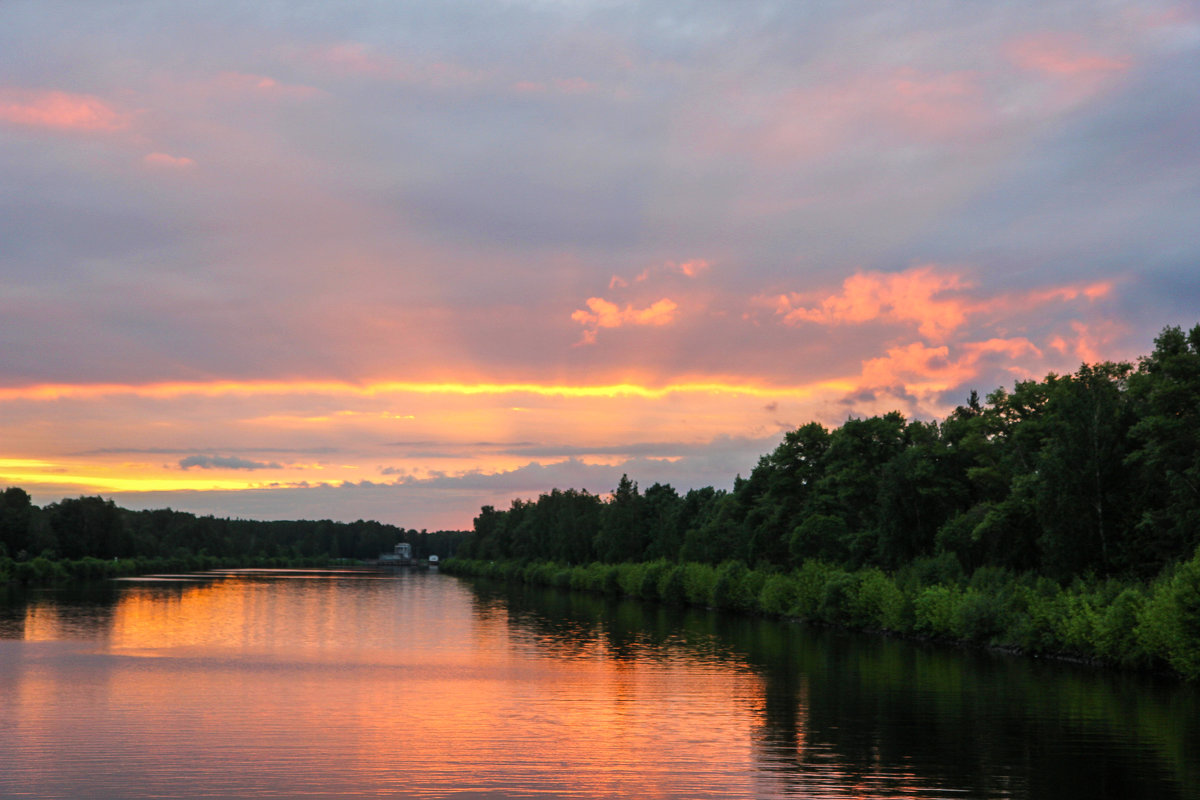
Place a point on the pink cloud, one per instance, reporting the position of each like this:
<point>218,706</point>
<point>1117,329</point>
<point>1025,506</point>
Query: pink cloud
<point>60,111</point>
<point>1061,55</point>
<point>563,86</point>
<point>263,85</point>
<point>810,122</point>
<point>358,59</point>
<point>169,161</point>
<point>574,86</point>
<point>602,313</point>
<point>935,106</point>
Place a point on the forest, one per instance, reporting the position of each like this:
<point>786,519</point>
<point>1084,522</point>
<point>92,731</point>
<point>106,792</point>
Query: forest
<point>89,537</point>
<point>1062,515</point>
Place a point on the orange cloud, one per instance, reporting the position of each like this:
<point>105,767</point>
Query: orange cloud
<point>602,313</point>
<point>1061,55</point>
<point>923,370</point>
<point>1088,342</point>
<point>689,268</point>
<point>918,295</point>
<point>1090,291</point>
<point>60,111</point>
<point>910,296</point>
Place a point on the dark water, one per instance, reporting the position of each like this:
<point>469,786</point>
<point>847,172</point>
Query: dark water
<point>422,686</point>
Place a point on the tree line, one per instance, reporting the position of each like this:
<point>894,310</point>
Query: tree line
<point>96,529</point>
<point>1092,473</point>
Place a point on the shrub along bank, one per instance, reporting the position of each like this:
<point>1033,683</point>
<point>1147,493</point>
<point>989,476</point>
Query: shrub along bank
<point>42,570</point>
<point>1153,625</point>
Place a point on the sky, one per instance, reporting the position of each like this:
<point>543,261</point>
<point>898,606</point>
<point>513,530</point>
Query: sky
<point>396,261</point>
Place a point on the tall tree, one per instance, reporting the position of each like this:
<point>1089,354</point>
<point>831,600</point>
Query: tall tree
<point>622,534</point>
<point>1165,393</point>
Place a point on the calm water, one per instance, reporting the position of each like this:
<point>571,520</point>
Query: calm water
<point>423,686</point>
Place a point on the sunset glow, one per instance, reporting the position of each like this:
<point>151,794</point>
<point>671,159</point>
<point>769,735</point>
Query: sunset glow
<point>401,261</point>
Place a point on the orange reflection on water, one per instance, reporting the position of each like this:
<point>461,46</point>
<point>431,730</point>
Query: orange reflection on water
<point>372,681</point>
<point>410,686</point>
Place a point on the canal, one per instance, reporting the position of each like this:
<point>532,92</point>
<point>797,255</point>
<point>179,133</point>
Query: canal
<point>419,685</point>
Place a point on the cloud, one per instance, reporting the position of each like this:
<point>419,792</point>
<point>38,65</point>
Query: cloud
<point>168,161</point>
<point>224,462</point>
<point>916,295</point>
<point>1061,55</point>
<point>689,268</point>
<point>558,85</point>
<point>262,86</point>
<point>602,313</point>
<point>60,111</point>
<point>937,301</point>
<point>1089,342</point>
<point>357,58</point>
<point>923,369</point>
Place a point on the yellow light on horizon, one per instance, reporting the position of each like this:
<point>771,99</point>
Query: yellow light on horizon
<point>56,391</point>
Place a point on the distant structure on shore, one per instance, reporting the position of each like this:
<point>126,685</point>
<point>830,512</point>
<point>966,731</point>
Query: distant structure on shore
<point>401,556</point>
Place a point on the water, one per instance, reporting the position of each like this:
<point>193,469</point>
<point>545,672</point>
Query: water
<point>418,685</point>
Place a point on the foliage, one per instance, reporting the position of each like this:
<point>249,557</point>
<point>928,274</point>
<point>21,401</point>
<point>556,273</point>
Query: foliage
<point>90,537</point>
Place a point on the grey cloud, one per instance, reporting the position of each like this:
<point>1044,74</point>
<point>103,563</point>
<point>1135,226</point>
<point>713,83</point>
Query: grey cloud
<point>224,462</point>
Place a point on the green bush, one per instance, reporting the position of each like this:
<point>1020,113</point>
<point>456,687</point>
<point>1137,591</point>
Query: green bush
<point>810,588</point>
<point>838,598</point>
<point>936,610</point>
<point>779,594</point>
<point>40,570</point>
<point>671,589</point>
<point>736,587</point>
<point>698,582</point>
<point>1169,622</point>
<point>1121,623</point>
<point>1040,623</point>
<point>880,603</point>
<point>979,616</point>
<point>652,575</point>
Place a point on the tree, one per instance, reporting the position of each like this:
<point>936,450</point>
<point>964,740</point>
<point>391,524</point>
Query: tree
<point>622,534</point>
<point>89,526</point>
<point>16,519</point>
<point>1165,394</point>
<point>1082,481</point>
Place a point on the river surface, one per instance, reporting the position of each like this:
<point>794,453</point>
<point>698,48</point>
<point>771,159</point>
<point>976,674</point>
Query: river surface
<point>418,685</point>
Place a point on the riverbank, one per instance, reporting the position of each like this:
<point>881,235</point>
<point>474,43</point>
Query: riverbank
<point>42,570</point>
<point>1152,625</point>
